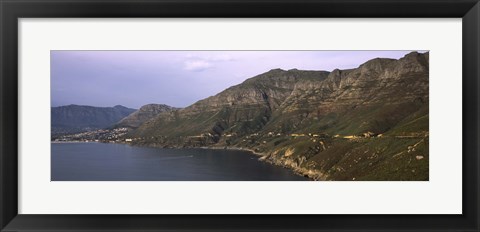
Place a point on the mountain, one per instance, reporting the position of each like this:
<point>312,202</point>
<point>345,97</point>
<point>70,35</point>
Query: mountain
<point>244,108</point>
<point>366,123</point>
<point>77,118</point>
<point>144,114</point>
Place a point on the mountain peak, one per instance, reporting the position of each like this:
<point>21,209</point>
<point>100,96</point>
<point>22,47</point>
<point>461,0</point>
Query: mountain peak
<point>377,63</point>
<point>276,70</point>
<point>145,113</point>
<point>413,54</point>
<point>414,62</point>
<point>156,107</point>
<point>336,71</point>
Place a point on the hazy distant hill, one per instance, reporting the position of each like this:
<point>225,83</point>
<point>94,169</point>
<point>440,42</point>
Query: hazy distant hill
<point>369,122</point>
<point>76,118</point>
<point>144,114</point>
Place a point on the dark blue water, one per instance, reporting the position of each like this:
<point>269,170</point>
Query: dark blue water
<point>120,162</point>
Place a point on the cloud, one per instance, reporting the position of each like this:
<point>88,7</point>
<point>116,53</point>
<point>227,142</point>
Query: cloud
<point>220,58</point>
<point>201,62</point>
<point>197,65</point>
<point>211,58</point>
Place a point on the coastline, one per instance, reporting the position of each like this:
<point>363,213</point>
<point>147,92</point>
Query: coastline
<point>235,149</point>
<point>73,142</point>
<point>262,157</point>
<point>309,174</point>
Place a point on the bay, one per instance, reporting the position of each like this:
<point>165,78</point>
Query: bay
<point>122,162</point>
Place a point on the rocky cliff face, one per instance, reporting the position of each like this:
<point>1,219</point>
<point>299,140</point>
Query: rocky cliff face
<point>144,114</point>
<point>370,122</point>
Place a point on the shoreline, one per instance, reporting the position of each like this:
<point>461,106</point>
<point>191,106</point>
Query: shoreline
<point>234,149</point>
<point>73,142</point>
<point>262,156</point>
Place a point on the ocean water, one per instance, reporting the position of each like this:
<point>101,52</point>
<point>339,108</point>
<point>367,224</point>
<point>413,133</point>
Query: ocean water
<point>121,162</point>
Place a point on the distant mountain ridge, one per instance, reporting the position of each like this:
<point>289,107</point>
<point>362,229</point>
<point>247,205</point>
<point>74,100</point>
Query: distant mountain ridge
<point>368,122</point>
<point>78,118</point>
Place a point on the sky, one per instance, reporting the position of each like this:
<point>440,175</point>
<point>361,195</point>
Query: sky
<point>177,78</point>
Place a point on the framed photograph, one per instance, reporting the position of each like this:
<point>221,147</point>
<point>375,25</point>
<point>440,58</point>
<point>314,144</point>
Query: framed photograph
<point>239,116</point>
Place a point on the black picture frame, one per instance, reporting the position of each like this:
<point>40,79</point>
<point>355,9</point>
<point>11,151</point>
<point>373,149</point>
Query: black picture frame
<point>12,10</point>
